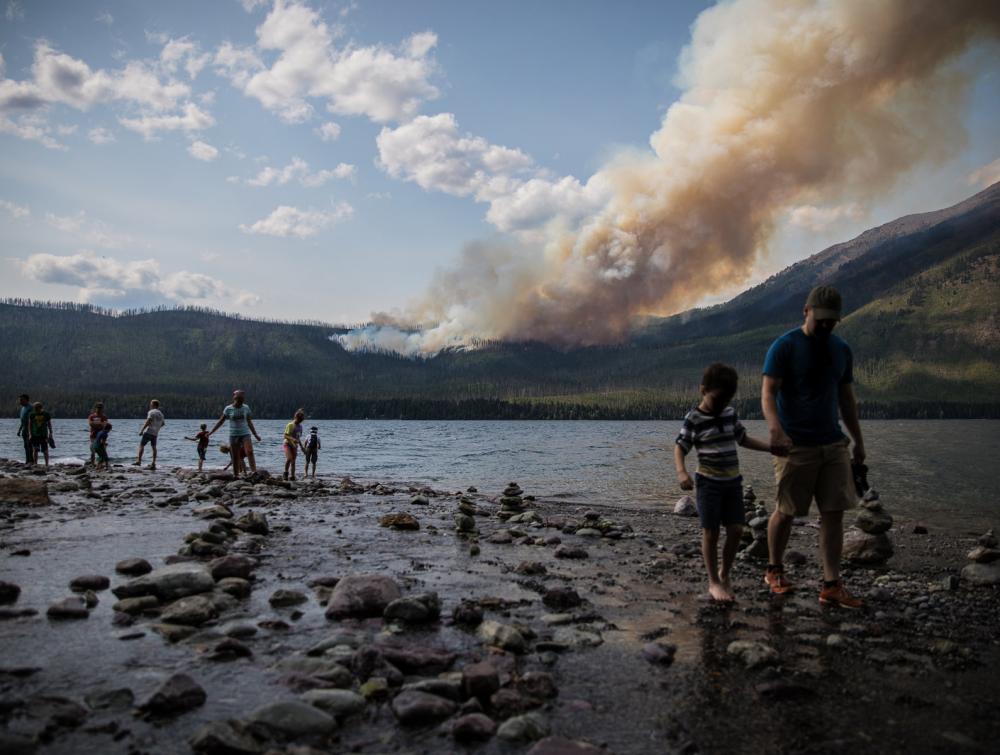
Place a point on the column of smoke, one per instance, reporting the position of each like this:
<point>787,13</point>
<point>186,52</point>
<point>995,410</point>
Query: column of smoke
<point>785,102</point>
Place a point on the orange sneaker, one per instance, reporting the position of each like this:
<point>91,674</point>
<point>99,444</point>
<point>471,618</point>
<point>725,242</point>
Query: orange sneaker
<point>838,596</point>
<point>776,580</point>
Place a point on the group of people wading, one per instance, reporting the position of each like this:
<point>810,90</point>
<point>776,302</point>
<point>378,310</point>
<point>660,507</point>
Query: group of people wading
<point>35,429</point>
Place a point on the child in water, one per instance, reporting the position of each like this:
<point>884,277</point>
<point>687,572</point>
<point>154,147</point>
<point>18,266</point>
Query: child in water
<point>202,440</point>
<point>99,447</point>
<point>312,451</point>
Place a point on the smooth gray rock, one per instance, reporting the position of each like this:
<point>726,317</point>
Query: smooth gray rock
<point>68,608</point>
<point>339,703</point>
<point>982,574</point>
<point>685,506</point>
<point>169,582</point>
<point>282,598</point>
<point>361,596</point>
<point>193,610</point>
<point>232,566</point>
<point>863,548</point>
<point>480,680</point>
<point>753,654</point>
<point>473,727</point>
<point>133,567</point>
<point>503,636</point>
<point>414,708</point>
<point>414,609</point>
<point>177,694</point>
<point>224,738</point>
<point>89,582</point>
<point>874,521</point>
<point>524,728</point>
<point>8,592</point>
<point>294,718</point>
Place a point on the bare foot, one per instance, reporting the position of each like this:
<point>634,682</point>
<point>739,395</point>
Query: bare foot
<point>720,592</point>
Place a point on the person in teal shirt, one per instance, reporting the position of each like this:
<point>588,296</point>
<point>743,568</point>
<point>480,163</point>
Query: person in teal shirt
<point>24,401</point>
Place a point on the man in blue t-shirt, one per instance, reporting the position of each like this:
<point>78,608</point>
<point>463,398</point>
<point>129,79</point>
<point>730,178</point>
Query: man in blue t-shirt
<point>24,409</point>
<point>808,376</point>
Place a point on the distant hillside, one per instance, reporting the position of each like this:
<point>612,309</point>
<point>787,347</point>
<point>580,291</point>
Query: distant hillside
<point>921,294</point>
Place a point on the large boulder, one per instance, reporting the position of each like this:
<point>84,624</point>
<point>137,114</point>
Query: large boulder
<point>362,596</point>
<point>193,610</point>
<point>177,694</point>
<point>294,718</point>
<point>982,574</point>
<point>240,567</point>
<point>169,582</point>
<point>863,548</point>
<point>24,491</point>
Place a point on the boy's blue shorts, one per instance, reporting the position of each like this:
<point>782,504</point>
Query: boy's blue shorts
<point>720,502</point>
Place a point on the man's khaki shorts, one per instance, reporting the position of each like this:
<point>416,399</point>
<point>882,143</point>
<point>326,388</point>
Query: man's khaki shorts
<point>823,472</point>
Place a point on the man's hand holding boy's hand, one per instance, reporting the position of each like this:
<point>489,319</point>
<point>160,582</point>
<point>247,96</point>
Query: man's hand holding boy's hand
<point>780,442</point>
<point>859,453</point>
<point>686,482</point>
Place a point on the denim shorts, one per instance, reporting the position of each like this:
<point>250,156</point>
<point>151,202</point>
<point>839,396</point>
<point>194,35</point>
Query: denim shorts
<point>720,502</point>
<point>149,438</point>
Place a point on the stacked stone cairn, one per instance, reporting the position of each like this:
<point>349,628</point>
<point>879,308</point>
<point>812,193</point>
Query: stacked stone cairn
<point>465,522</point>
<point>756,519</point>
<point>984,566</point>
<point>869,543</point>
<point>511,502</point>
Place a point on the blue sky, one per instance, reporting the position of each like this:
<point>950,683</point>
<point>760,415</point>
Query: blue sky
<point>322,160</point>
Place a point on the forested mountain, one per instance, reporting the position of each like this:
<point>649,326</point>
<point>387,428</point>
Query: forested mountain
<point>921,294</point>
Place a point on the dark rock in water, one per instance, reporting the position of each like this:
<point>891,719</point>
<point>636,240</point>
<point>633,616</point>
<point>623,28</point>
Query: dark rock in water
<point>570,551</point>
<point>240,567</point>
<point>68,608</point>
<point>501,537</point>
<point>400,521</point>
<point>659,653</point>
<point>169,582</point>
<point>60,711</point>
<point>473,727</point>
<point>89,582</point>
<point>480,680</point>
<point>193,610</point>
<point>919,529</point>
<point>133,567</point>
<point>417,659</point>
<point>8,592</point>
<point>503,636</point>
<point>362,596</point>
<point>467,613</point>
<point>538,684</point>
<point>282,598</point>
<point>7,614</point>
<point>229,649</point>
<point>224,738</point>
<point>780,689</point>
<point>464,522</point>
<point>508,702</point>
<point>561,597</point>
<point>176,695</point>
<point>414,708</point>
<point>23,491</point>
<point>414,609</point>
<point>863,548</point>
<point>90,599</point>
<point>524,728</point>
<point>238,588</point>
<point>563,746</point>
<point>113,699</point>
<point>531,568</point>
<point>294,718</point>
<point>254,523</point>
<point>419,500</point>
<point>982,574</point>
<point>173,632</point>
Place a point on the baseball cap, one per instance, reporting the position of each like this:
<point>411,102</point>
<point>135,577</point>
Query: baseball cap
<point>825,303</point>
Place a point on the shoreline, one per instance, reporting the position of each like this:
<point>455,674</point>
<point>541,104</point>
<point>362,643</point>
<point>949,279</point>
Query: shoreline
<point>586,625</point>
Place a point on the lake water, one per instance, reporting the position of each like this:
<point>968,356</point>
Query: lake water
<point>936,471</point>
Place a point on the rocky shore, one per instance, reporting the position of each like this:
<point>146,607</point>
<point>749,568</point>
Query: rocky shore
<point>181,612</point>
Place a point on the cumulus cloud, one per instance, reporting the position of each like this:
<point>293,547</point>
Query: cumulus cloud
<point>251,5</point>
<point>986,175</point>
<point>107,277</point>
<point>14,10</point>
<point>818,219</point>
<point>31,128</point>
<point>298,169</point>
<point>202,151</point>
<point>105,18</point>
<point>287,221</point>
<point>191,118</point>
<point>328,131</point>
<point>156,99</point>
<point>14,210</point>
<point>100,135</point>
<point>432,152</point>
<point>379,82</point>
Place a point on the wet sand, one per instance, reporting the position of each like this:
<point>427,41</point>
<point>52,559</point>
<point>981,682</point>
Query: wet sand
<point>644,663</point>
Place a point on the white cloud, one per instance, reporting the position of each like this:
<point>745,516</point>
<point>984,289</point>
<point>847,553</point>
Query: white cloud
<point>66,130</point>
<point>14,210</point>
<point>818,219</point>
<point>193,118</point>
<point>328,131</point>
<point>288,221</point>
<point>31,128</point>
<point>107,277</point>
<point>251,5</point>
<point>986,175</point>
<point>203,151</point>
<point>183,52</point>
<point>298,169</point>
<point>535,203</point>
<point>88,231</point>
<point>430,151</point>
<point>381,83</point>
<point>14,11</point>
<point>105,18</point>
<point>100,135</point>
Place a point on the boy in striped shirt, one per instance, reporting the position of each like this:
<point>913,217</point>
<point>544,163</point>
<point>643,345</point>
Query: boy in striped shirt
<point>714,430</point>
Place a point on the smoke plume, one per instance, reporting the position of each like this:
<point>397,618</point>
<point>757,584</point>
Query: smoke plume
<point>785,102</point>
